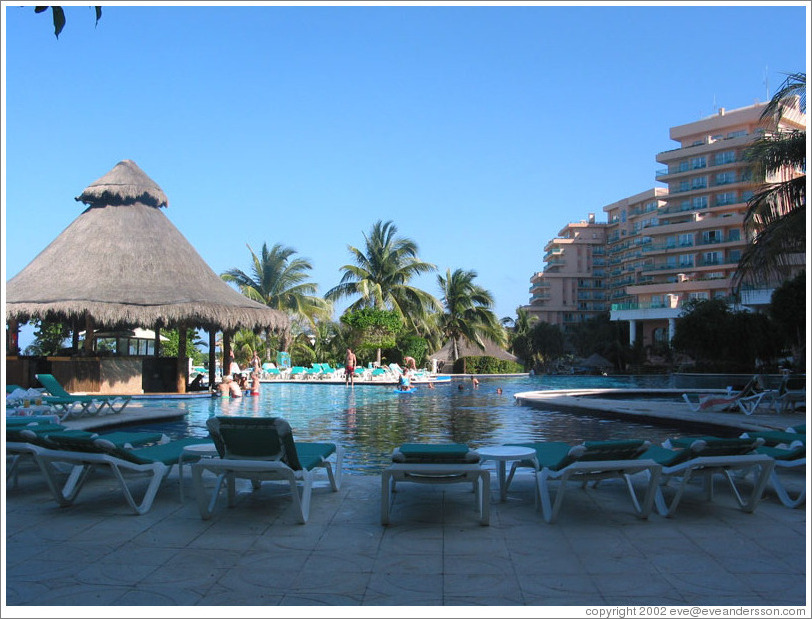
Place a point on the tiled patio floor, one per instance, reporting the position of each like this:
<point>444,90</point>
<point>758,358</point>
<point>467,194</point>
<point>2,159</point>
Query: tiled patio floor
<point>97,553</point>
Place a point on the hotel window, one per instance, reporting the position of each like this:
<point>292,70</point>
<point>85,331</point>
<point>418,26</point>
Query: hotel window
<point>712,236</point>
<point>623,216</point>
<point>698,162</point>
<point>734,255</point>
<point>656,300</point>
<point>671,262</point>
<point>725,157</point>
<point>700,182</point>
<point>700,202</point>
<point>727,197</point>
<point>651,206</point>
<point>734,234</point>
<point>686,240</point>
<point>737,134</point>
<point>747,196</point>
<point>684,186</point>
<point>713,257</point>
<point>683,166</point>
<point>725,178</point>
<point>698,296</point>
<point>686,260</point>
<point>671,241</point>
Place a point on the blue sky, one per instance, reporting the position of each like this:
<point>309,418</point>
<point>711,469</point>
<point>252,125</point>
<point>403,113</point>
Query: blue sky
<point>481,131</point>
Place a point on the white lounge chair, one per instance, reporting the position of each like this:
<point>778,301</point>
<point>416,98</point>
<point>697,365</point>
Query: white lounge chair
<point>87,455</point>
<point>591,462</point>
<point>702,458</point>
<point>435,464</point>
<point>263,449</point>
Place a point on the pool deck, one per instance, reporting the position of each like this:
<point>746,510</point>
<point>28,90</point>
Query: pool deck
<point>97,553</point>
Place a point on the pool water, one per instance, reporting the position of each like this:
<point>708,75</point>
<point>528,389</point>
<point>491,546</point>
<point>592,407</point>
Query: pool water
<point>371,420</point>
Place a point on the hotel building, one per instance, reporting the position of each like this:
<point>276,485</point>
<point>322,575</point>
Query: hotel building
<point>666,246</point>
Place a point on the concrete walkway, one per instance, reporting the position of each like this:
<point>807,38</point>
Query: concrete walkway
<point>98,553</point>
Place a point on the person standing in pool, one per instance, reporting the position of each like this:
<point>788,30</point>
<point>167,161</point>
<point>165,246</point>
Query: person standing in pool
<point>349,368</point>
<point>404,384</point>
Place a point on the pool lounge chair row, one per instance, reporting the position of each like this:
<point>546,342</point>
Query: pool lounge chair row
<point>70,406</point>
<point>789,394</point>
<point>263,449</point>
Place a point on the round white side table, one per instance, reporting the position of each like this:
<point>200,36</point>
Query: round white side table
<point>503,454</point>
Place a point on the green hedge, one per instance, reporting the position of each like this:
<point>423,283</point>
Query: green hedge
<point>486,365</point>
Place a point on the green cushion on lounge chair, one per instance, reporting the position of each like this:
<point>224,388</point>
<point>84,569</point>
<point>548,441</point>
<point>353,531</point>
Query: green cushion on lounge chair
<point>667,457</point>
<point>613,450</point>
<point>778,453</point>
<point>17,422</point>
<point>257,438</point>
<point>40,435</point>
<point>432,453</point>
<point>312,455</point>
<point>251,442</point>
<point>800,429</point>
<point>548,454</point>
<point>168,453</point>
<point>777,437</point>
<point>693,447</point>
<point>132,438</point>
<point>36,428</point>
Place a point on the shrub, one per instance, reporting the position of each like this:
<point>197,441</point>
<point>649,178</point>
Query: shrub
<point>486,365</point>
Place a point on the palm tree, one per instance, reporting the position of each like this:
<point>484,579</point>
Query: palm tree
<point>776,214</point>
<point>468,313</point>
<point>381,274</point>
<point>281,282</point>
<point>520,341</point>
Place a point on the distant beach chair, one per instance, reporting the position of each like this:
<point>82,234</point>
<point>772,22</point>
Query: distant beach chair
<point>747,400</point>
<point>78,405</point>
<point>792,391</point>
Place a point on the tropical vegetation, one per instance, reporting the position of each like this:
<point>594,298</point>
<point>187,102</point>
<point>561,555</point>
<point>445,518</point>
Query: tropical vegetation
<point>280,280</point>
<point>776,214</point>
<point>381,277</point>
<point>467,312</point>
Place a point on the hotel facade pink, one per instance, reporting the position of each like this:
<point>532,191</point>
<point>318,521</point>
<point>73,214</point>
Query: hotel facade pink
<point>664,246</point>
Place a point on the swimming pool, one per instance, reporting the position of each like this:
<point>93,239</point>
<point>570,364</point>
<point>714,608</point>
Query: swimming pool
<point>371,420</point>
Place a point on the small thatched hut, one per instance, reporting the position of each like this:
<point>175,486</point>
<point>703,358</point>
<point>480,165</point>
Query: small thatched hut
<point>123,263</point>
<point>445,356</point>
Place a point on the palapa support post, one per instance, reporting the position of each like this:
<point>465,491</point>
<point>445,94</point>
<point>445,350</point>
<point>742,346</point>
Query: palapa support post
<point>13,338</point>
<point>183,366</point>
<point>89,326</point>
<point>212,356</point>
<point>226,352</point>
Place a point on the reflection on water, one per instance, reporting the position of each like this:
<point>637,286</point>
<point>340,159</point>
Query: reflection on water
<point>371,420</point>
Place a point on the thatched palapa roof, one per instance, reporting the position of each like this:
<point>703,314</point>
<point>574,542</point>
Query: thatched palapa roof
<point>467,349</point>
<point>124,263</point>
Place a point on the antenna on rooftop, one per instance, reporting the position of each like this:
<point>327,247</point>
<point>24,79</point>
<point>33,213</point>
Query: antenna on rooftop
<point>714,103</point>
<point>766,83</point>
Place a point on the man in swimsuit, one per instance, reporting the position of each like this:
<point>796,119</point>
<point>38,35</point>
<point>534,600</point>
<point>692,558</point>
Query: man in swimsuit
<point>409,363</point>
<point>349,368</point>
